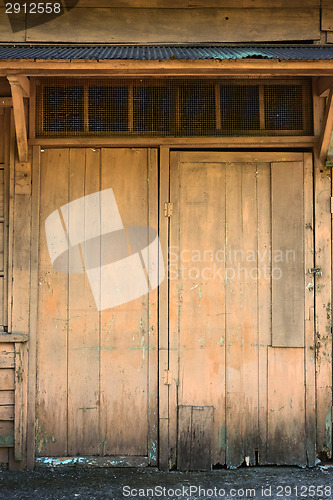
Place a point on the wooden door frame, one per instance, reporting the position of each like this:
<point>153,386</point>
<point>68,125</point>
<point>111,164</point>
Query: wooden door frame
<point>319,394</point>
<point>167,393</point>
<point>30,389</point>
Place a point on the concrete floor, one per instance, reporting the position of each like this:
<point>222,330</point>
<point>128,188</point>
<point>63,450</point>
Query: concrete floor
<point>273,483</point>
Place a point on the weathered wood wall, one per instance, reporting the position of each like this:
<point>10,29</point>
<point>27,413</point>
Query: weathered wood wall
<point>327,19</point>
<point>15,200</point>
<point>6,400</point>
<point>163,21</point>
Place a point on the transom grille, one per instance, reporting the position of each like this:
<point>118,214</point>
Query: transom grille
<point>173,107</point>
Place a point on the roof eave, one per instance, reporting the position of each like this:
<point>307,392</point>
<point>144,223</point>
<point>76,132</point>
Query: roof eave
<point>128,67</point>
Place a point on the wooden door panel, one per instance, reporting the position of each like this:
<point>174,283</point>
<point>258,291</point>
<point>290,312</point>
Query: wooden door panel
<point>241,313</point>
<point>51,410</point>
<point>264,299</point>
<point>83,326</point>
<point>287,255</point>
<point>97,370</point>
<point>246,208</point>
<point>197,323</point>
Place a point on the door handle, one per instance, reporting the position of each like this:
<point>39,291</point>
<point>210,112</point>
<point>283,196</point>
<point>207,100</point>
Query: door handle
<point>317,271</point>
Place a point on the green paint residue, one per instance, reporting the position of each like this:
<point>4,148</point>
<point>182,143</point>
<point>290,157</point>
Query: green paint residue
<point>328,428</point>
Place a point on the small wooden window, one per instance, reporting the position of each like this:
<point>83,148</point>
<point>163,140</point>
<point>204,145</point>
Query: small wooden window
<point>173,107</point>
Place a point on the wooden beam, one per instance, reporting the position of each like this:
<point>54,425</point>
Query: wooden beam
<point>19,117</point>
<point>324,85</point>
<point>327,127</point>
<point>25,85</point>
<point>116,67</point>
<point>224,142</point>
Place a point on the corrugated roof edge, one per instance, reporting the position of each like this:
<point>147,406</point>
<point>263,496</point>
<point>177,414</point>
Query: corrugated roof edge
<point>166,52</point>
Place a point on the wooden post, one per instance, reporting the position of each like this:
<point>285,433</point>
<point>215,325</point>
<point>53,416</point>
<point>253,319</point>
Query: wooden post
<point>33,308</point>
<point>323,297</point>
<point>18,92</point>
<point>163,316</point>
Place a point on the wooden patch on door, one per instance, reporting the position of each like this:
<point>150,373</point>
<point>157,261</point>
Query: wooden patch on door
<point>195,425</point>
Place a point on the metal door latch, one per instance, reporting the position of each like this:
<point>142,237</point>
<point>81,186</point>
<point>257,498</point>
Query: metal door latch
<point>168,209</point>
<point>317,271</point>
<point>167,377</point>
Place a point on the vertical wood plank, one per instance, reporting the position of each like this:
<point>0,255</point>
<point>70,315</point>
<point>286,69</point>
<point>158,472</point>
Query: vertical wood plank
<point>52,327</point>
<point>21,248</point>
<point>83,322</point>
<point>323,307</point>
<point>184,438</point>
<point>287,255</point>
<point>11,217</point>
<point>153,316</point>
<point>125,328</point>
<point>4,145</point>
<point>264,297</point>
<point>309,329</point>
<point>6,211</point>
<point>34,288</point>
<point>286,416</point>
<point>323,295</point>
<point>175,304</point>
<point>197,298</point>
<point>18,419</point>
<point>163,312</point>
<point>241,320</point>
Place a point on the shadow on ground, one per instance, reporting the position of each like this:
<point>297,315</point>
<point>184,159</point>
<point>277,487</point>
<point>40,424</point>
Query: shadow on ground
<point>273,483</point>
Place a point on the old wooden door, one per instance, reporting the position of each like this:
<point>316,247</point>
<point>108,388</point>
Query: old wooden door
<point>241,309</point>
<point>96,366</point>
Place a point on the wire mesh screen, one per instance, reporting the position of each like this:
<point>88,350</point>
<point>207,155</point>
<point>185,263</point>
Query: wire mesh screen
<point>172,107</point>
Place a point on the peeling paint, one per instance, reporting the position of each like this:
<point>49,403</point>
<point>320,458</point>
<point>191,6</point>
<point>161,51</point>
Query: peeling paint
<point>92,461</point>
<point>153,451</point>
<point>42,438</point>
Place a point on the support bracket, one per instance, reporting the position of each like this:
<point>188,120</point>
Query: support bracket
<point>20,87</point>
<point>327,127</point>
